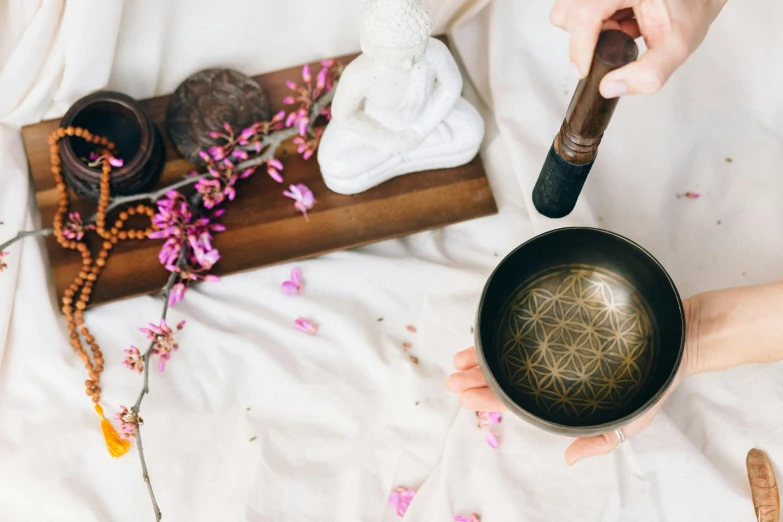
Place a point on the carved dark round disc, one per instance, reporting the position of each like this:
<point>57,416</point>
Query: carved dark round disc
<point>207,100</point>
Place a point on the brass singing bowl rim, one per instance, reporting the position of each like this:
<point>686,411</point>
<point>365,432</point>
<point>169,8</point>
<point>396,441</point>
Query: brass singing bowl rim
<point>548,424</point>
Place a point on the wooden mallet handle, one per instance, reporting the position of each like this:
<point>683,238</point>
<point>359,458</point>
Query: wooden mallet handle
<point>576,145</point>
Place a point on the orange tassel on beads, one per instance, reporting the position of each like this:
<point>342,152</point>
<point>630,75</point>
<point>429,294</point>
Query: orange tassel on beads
<point>116,445</point>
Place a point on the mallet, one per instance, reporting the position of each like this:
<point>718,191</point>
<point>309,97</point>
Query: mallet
<point>576,145</point>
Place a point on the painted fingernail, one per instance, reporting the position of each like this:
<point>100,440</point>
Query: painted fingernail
<point>575,71</point>
<point>614,89</point>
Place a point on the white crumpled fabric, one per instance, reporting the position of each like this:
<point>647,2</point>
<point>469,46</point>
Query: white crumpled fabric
<point>339,419</point>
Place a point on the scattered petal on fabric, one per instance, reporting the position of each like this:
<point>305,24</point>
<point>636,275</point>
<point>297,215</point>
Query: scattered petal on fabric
<point>495,417</point>
<point>486,420</point>
<point>306,326</point>
<point>406,345</point>
<point>411,329</point>
<point>3,264</point>
<point>689,195</point>
<point>294,285</point>
<point>491,439</point>
<point>400,499</point>
<point>472,518</point>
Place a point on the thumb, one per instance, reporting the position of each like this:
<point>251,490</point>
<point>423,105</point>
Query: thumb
<point>584,447</point>
<point>647,74</point>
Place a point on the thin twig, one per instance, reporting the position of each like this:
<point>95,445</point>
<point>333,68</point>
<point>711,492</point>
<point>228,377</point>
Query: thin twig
<point>26,233</point>
<point>158,514</point>
<point>273,141</point>
<point>145,388</point>
<point>151,196</point>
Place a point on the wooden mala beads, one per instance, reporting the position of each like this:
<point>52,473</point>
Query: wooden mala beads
<point>77,295</point>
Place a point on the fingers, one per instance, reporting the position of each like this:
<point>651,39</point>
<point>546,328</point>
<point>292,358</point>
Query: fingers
<point>584,447</point>
<point>480,399</point>
<point>465,380</point>
<point>559,13</point>
<point>584,21</point>
<point>629,27</point>
<point>466,359</point>
<point>470,383</point>
<point>646,75</point>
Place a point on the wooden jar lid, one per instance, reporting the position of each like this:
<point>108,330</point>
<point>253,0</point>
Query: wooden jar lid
<point>208,99</point>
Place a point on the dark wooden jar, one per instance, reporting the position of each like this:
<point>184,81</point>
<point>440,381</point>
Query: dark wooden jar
<point>122,120</point>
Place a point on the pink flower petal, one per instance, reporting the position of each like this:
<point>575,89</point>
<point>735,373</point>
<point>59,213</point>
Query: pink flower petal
<point>275,163</point>
<point>290,120</point>
<point>495,417</point>
<point>291,288</point>
<point>305,326</point>
<point>321,81</point>
<point>394,499</point>
<point>275,175</point>
<point>177,294</point>
<point>491,439</point>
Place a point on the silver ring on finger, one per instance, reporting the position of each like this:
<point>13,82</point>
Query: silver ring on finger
<point>620,436</point>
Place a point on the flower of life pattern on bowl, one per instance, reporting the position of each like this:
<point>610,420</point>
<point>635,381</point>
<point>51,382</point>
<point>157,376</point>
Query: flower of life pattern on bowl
<point>577,341</point>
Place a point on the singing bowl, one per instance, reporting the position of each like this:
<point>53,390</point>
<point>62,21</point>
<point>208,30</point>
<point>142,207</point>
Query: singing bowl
<point>580,331</point>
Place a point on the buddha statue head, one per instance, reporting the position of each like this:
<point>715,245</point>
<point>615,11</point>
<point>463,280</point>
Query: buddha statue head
<point>395,33</point>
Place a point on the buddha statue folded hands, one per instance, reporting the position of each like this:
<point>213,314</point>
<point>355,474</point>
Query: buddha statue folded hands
<point>398,108</point>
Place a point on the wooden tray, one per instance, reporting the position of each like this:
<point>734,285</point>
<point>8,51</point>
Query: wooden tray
<point>262,226</point>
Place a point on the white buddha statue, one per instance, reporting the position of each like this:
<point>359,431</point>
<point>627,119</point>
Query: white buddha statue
<point>398,107</point>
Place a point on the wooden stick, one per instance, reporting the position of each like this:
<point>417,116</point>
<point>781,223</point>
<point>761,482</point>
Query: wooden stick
<point>763,486</point>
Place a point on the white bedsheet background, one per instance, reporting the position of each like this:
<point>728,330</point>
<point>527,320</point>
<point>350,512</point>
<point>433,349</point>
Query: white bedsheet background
<point>335,416</point>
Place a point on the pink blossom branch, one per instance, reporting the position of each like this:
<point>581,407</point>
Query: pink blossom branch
<point>145,388</point>
<point>26,233</point>
<point>150,196</point>
<point>269,144</point>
